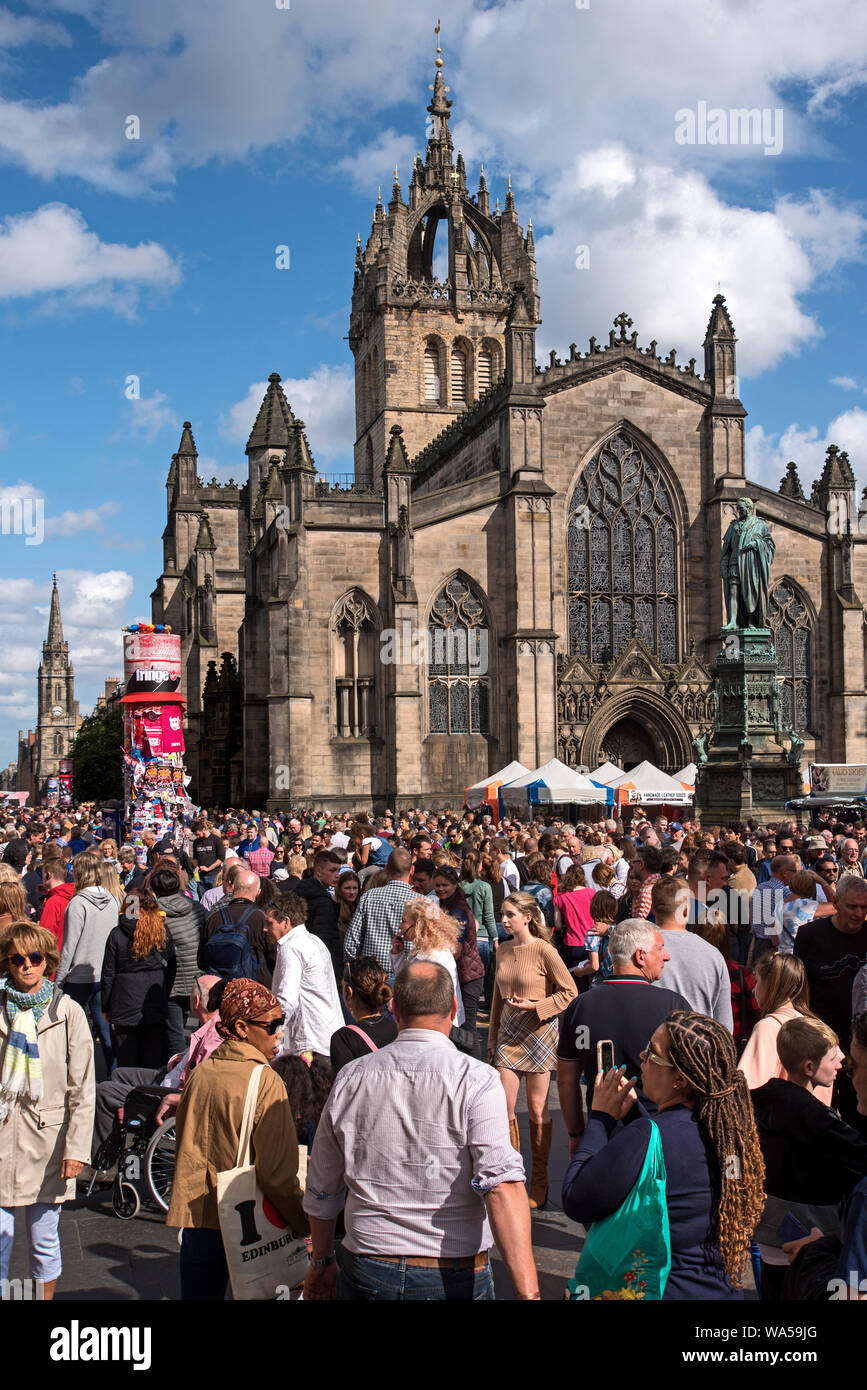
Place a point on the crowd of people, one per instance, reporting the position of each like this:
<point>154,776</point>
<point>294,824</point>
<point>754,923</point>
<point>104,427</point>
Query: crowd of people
<point>699,993</point>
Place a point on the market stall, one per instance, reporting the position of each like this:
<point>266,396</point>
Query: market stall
<point>554,784</point>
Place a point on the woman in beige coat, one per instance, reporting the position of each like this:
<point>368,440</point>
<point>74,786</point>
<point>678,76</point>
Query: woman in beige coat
<point>46,1098</point>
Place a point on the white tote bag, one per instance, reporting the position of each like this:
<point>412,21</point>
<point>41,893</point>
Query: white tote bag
<point>265,1258</point>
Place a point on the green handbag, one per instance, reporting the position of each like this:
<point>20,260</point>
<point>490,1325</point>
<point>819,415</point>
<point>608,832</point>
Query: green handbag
<point>627,1255</point>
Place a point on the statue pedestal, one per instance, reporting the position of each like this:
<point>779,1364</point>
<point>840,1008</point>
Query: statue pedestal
<point>748,771</point>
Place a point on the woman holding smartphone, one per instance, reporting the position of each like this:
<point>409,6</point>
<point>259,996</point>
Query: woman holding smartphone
<point>714,1183</point>
<point>532,987</point>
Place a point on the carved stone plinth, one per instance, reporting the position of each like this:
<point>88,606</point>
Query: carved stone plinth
<point>747,771</point>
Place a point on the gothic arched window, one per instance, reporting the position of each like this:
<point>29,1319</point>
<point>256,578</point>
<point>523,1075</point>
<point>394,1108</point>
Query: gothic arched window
<point>58,745</point>
<point>459,375</point>
<point>355,658</point>
<point>458,675</point>
<point>58,693</point>
<point>432,376</point>
<point>790,624</point>
<point>622,554</point>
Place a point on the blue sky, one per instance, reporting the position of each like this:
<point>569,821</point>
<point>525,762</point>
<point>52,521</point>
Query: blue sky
<point>263,126</point>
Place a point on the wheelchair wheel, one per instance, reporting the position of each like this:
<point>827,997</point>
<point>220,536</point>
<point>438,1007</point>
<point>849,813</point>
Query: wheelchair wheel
<point>160,1164</point>
<point>125,1200</point>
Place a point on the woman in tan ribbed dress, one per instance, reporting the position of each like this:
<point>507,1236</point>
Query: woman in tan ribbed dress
<point>532,987</point>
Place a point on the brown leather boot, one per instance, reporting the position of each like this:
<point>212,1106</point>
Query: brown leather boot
<point>540,1142</point>
<point>515,1133</point>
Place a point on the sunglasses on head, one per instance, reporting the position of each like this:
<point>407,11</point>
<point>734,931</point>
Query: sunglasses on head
<point>270,1025</point>
<point>34,958</point>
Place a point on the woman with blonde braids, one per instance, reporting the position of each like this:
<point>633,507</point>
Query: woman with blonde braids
<point>713,1161</point>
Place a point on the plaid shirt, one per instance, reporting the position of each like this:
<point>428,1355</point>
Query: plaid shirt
<point>376,921</point>
<point>259,860</point>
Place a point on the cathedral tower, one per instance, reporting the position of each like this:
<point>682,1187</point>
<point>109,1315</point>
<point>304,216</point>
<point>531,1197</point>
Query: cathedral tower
<point>58,710</point>
<point>433,287</point>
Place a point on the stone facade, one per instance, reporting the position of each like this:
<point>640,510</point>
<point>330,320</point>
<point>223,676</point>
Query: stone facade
<point>564,523</point>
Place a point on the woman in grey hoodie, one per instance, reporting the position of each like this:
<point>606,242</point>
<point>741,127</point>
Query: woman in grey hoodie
<point>90,917</point>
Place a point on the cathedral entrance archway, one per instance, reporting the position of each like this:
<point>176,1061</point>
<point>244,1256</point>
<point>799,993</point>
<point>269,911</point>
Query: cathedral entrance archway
<point>635,725</point>
<point>627,744</point>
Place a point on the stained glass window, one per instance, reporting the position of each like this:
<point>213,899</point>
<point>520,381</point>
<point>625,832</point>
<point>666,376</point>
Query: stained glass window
<point>789,621</point>
<point>622,556</point>
<point>458,674</point>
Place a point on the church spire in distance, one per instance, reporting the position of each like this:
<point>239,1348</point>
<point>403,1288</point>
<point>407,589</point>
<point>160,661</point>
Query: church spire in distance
<point>55,626</point>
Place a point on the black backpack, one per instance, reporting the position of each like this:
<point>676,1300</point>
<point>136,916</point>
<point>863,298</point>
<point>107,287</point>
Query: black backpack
<point>229,952</point>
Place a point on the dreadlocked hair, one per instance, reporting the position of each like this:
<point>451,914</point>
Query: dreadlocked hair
<point>703,1052</point>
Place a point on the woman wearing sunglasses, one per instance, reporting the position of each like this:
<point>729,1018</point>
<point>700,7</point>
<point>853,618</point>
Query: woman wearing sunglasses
<point>46,1098</point>
<point>207,1129</point>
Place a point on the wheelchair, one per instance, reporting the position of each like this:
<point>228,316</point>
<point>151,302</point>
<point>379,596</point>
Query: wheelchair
<point>143,1153</point>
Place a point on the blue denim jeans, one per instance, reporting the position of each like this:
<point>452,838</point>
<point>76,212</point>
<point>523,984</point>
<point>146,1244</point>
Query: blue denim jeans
<point>203,1269</point>
<point>89,996</point>
<point>363,1279</point>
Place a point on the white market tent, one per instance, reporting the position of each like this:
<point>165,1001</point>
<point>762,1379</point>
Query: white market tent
<point>687,776</point>
<point>648,784</point>
<point>486,790</point>
<point>553,783</point>
<point>605,774</point>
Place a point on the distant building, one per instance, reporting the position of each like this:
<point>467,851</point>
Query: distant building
<point>40,753</point>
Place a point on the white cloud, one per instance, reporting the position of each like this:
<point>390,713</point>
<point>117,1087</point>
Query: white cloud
<point>211,79</point>
<point>70,523</point>
<point>374,164</point>
<point>26,501</point>
<point>52,253</point>
<point>325,401</point>
<point>148,416</point>
<point>767,454</point>
<point>846,383</point>
<point>18,30</point>
<point>661,240</point>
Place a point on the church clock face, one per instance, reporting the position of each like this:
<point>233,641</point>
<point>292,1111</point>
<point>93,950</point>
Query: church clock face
<point>57,711</point>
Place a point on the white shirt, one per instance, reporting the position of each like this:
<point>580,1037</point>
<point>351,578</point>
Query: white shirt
<point>510,875</point>
<point>340,840</point>
<point>305,986</point>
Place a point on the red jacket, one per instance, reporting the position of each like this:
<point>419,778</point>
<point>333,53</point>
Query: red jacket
<point>53,909</point>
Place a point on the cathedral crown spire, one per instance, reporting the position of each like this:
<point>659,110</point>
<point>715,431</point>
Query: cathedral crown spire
<point>439,145</point>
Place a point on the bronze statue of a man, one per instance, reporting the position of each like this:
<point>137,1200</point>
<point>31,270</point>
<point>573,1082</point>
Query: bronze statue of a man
<point>747,552</point>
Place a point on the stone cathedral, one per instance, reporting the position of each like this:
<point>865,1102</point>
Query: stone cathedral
<point>526,561</point>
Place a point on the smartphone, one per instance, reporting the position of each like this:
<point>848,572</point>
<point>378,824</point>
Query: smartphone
<point>790,1228</point>
<point>604,1055</point>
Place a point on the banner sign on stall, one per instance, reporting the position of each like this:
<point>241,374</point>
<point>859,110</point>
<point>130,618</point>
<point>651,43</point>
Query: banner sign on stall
<point>847,779</point>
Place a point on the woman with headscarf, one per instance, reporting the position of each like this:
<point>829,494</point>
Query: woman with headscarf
<point>208,1127</point>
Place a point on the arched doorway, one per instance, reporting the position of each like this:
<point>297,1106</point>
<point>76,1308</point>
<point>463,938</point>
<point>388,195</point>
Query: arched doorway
<point>627,743</point>
<point>637,724</point>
